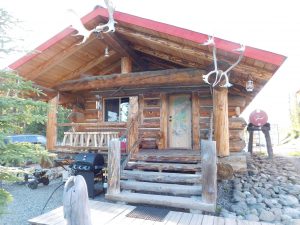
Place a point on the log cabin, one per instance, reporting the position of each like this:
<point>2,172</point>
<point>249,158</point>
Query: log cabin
<point>144,82</point>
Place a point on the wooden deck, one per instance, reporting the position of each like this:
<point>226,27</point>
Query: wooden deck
<point>104,213</point>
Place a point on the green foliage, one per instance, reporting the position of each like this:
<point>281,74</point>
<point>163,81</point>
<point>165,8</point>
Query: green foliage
<point>5,198</point>
<point>18,154</point>
<point>294,131</point>
<point>15,110</point>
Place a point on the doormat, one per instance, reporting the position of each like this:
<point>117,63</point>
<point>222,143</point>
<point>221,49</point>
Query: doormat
<point>148,213</point>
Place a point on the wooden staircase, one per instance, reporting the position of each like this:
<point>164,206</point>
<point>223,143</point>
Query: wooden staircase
<point>170,178</point>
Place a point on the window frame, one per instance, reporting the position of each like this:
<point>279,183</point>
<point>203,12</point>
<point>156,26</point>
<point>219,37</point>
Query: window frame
<point>119,117</point>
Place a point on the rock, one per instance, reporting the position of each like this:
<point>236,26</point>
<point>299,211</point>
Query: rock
<point>295,222</point>
<point>277,213</point>
<point>266,216</point>
<point>288,200</point>
<point>253,211</point>
<point>251,200</point>
<point>292,212</point>
<point>238,196</point>
<point>294,190</point>
<point>286,219</point>
<point>240,208</point>
<point>252,217</point>
<point>272,203</point>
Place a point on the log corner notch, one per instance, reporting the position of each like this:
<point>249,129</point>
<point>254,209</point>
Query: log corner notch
<point>221,124</point>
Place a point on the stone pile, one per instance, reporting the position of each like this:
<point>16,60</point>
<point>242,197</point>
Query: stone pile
<point>269,192</point>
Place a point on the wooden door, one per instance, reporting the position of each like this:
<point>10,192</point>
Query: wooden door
<point>179,130</point>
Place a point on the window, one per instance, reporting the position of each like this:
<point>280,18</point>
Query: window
<point>116,109</point>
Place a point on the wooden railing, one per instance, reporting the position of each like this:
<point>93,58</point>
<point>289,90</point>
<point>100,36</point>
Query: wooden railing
<point>88,139</point>
<point>209,171</point>
<point>114,167</point>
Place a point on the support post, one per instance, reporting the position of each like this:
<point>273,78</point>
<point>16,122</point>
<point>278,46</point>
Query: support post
<point>132,125</point>
<point>113,165</point>
<point>221,127</point>
<point>195,119</point>
<point>209,171</point>
<point>266,130</point>
<point>163,121</point>
<point>51,131</point>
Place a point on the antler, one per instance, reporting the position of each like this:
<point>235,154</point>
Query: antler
<point>225,74</point>
<point>220,74</point>
<point>211,41</point>
<point>110,25</point>
<point>79,27</point>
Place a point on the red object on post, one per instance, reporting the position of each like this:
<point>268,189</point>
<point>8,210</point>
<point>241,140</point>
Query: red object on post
<point>258,117</point>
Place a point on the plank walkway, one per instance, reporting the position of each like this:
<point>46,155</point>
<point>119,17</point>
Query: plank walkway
<point>104,213</point>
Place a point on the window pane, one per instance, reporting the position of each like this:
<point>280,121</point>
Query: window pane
<point>112,110</point>
<point>124,109</point>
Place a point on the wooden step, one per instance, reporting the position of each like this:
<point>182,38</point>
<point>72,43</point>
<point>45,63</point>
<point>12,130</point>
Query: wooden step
<point>162,200</point>
<point>163,166</point>
<point>176,156</point>
<point>161,177</point>
<point>174,189</point>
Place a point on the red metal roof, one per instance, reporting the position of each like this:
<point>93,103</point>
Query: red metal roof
<point>167,29</point>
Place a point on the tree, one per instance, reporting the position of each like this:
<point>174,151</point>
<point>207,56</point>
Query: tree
<point>16,111</point>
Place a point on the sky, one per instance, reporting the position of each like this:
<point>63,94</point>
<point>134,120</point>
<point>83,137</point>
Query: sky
<point>269,25</point>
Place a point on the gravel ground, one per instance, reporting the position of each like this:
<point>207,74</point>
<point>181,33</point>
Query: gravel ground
<point>29,203</point>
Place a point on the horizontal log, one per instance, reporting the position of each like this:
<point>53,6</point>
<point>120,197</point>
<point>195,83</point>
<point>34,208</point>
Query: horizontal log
<point>205,111</point>
<point>91,115</point>
<point>237,145</point>
<point>148,144</point>
<point>236,135</point>
<point>138,79</point>
<point>149,134</point>
<point>151,102</point>
<point>151,112</point>
<point>237,123</point>
<point>174,189</point>
<point>161,177</point>
<point>150,125</point>
<point>90,105</point>
<point>179,167</point>
<point>134,91</point>
<point>174,157</point>
<point>99,125</point>
<point>233,101</point>
<point>163,200</point>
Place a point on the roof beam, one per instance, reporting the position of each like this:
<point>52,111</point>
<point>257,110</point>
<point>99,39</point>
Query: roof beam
<point>116,43</point>
<point>165,56</point>
<point>86,67</point>
<point>170,77</point>
<point>58,58</point>
<point>192,52</point>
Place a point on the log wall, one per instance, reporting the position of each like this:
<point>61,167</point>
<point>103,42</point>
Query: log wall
<point>153,120</point>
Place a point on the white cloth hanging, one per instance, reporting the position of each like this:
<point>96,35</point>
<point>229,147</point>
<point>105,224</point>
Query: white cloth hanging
<point>76,202</point>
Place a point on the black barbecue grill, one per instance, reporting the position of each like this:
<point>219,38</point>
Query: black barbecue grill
<point>89,162</point>
<point>90,166</point>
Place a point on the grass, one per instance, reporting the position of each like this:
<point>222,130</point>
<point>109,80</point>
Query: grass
<point>294,153</point>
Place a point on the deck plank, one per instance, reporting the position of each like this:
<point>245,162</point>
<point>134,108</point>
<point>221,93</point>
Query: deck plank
<point>219,221</point>
<point>104,213</point>
<point>174,219</point>
<point>121,217</point>
<point>229,221</point>
<point>197,219</point>
<point>208,220</point>
<point>185,219</point>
